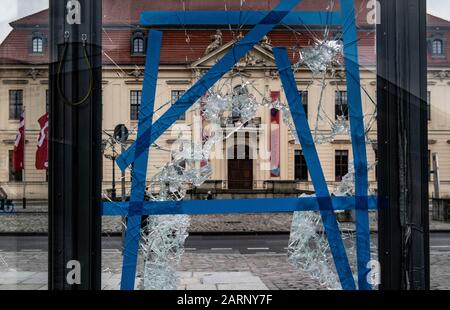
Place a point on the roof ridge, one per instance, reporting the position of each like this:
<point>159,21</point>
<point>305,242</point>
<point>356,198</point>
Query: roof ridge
<point>19,20</point>
<point>29,18</point>
<point>438,18</point>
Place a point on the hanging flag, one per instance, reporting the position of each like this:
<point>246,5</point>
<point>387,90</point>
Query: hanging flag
<point>19,146</point>
<point>42,146</point>
<point>275,137</point>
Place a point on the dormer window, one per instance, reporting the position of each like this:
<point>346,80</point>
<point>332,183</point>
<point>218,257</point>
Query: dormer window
<point>437,47</point>
<point>37,44</point>
<point>138,43</point>
<point>138,46</point>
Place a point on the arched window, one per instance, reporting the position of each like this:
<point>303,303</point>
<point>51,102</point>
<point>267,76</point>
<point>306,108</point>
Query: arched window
<point>437,47</point>
<point>238,91</point>
<point>37,44</point>
<point>138,46</point>
<point>138,43</point>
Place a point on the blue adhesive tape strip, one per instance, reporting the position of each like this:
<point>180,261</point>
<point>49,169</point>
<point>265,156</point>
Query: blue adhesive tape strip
<point>238,51</point>
<point>234,18</point>
<point>357,129</point>
<point>148,132</point>
<point>233,206</point>
<point>139,172</point>
<point>312,160</point>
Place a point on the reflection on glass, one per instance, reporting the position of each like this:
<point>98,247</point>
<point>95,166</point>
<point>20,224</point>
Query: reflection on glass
<point>192,160</point>
<point>438,112</point>
<point>23,179</point>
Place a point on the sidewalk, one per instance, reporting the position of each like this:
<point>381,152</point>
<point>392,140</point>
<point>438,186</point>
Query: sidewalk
<point>27,270</point>
<point>197,271</point>
<point>26,280</point>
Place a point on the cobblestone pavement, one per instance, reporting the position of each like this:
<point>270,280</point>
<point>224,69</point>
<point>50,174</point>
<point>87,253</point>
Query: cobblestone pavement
<point>273,270</point>
<point>37,222</point>
<point>27,270</point>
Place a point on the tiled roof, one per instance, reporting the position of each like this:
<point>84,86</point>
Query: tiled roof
<point>128,11</point>
<point>434,21</point>
<point>16,48</point>
<point>175,50</point>
<point>39,18</point>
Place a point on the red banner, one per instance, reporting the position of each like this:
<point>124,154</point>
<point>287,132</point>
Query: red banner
<point>42,146</point>
<point>19,146</point>
<point>275,137</point>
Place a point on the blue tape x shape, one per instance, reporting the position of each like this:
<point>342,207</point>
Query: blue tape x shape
<point>148,132</point>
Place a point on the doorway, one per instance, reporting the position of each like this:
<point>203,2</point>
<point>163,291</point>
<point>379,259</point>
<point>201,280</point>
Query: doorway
<point>240,169</point>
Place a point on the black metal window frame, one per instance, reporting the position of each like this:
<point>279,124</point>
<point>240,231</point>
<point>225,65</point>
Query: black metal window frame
<point>341,104</point>
<point>340,164</point>
<point>429,105</point>
<point>300,166</point>
<point>135,104</point>
<point>402,133</point>
<point>15,103</point>
<point>175,95</point>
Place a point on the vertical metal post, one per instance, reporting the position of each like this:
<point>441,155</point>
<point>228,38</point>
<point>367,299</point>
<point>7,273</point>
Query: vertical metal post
<point>124,198</point>
<point>113,160</point>
<point>122,149</point>
<point>123,180</point>
<point>403,145</point>
<point>75,145</point>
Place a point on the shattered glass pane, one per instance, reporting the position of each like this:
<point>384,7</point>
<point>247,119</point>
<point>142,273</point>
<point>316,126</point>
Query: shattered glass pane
<point>308,249</point>
<point>322,56</point>
<point>163,245</point>
<point>347,185</point>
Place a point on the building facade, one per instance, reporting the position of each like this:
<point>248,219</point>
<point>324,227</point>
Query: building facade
<point>185,55</point>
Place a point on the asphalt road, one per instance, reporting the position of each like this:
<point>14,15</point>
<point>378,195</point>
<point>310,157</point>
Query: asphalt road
<point>243,244</point>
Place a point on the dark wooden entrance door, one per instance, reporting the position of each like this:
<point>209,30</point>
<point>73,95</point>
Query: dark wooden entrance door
<point>240,172</point>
